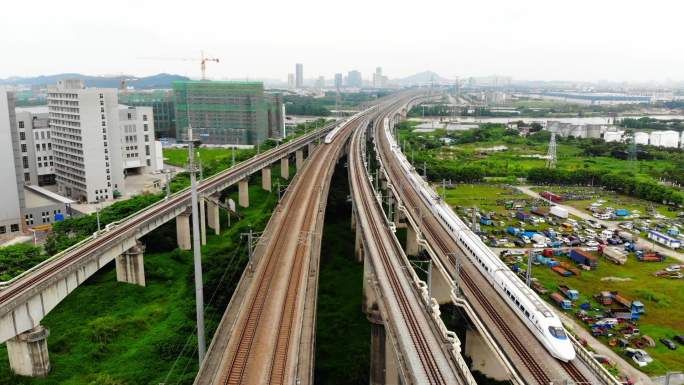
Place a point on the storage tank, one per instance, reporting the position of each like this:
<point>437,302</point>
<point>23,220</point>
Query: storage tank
<point>613,136</point>
<point>641,137</point>
<point>665,139</point>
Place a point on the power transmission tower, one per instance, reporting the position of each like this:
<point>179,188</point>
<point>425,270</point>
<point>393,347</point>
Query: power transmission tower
<point>551,156</point>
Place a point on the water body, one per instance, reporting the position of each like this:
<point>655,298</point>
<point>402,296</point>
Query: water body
<point>529,119</point>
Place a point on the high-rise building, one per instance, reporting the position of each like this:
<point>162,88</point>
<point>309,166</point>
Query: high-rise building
<point>354,79</point>
<point>379,81</point>
<point>163,109</point>
<point>223,112</point>
<point>36,143</point>
<point>139,150</point>
<point>299,75</point>
<point>276,115</point>
<point>84,128</point>
<point>320,82</point>
<point>11,194</point>
<point>290,81</point>
<point>338,81</point>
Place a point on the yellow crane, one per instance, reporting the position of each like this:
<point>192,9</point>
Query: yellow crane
<point>203,62</point>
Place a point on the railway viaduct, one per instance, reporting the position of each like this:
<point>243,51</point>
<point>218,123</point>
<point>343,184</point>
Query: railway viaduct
<point>28,298</point>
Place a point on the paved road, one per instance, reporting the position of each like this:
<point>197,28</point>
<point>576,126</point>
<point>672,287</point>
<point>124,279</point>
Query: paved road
<point>611,225</point>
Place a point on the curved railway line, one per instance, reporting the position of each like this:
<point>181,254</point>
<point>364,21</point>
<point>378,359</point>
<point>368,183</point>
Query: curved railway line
<point>369,208</point>
<point>437,235</point>
<point>260,348</point>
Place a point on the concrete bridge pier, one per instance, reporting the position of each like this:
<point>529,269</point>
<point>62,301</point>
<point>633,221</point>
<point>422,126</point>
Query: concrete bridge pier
<point>440,287</point>
<point>203,222</point>
<point>213,219</point>
<point>412,245</point>
<point>28,352</point>
<point>130,266</point>
<point>299,159</point>
<point>285,167</point>
<point>483,359</point>
<point>266,178</point>
<point>378,348</point>
<point>243,188</point>
<point>358,246</point>
<point>310,149</point>
<point>183,231</point>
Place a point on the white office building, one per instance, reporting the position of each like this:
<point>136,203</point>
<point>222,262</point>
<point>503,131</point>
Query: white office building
<point>84,127</point>
<point>138,147</point>
<point>613,136</point>
<point>11,193</point>
<point>35,142</point>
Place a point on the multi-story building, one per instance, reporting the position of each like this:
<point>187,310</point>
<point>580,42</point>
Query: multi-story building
<point>276,115</point>
<point>163,109</point>
<point>354,79</point>
<point>320,82</point>
<point>223,112</point>
<point>36,143</point>
<point>379,80</point>
<point>138,147</point>
<point>338,81</point>
<point>290,81</point>
<point>299,75</point>
<point>84,127</point>
<point>12,193</point>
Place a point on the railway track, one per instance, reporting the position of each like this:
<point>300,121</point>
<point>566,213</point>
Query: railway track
<point>128,226</point>
<point>425,354</point>
<point>270,364</point>
<point>539,373</point>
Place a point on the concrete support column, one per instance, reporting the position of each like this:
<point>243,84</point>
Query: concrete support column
<point>370,301</point>
<point>483,359</point>
<point>310,149</point>
<point>353,220</point>
<point>358,245</point>
<point>243,188</point>
<point>213,219</point>
<point>285,168</point>
<point>412,246</point>
<point>130,266</point>
<point>391,364</point>
<point>203,222</point>
<point>28,352</point>
<point>266,178</point>
<point>441,288</point>
<point>299,159</point>
<point>183,231</point>
<point>378,352</point>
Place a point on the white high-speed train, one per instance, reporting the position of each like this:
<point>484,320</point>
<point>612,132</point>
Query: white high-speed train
<point>536,315</point>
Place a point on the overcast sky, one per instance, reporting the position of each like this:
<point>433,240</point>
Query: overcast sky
<point>526,39</point>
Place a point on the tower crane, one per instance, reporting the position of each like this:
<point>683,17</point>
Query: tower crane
<point>203,62</point>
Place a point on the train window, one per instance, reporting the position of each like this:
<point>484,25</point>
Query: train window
<point>527,314</point>
<point>557,332</point>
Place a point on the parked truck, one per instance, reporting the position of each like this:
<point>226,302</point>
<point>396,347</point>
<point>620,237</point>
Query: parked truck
<point>514,231</point>
<point>572,294</point>
<point>651,256</point>
<point>633,306</point>
<point>538,238</point>
<point>523,216</point>
<point>583,258</point>
<point>486,221</point>
<point>614,255</point>
<point>626,236</point>
<point>540,211</point>
<point>555,198</point>
<point>624,314</point>
<point>564,304</point>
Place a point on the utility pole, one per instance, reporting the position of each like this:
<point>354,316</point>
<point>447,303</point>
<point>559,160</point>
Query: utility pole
<point>168,184</point>
<point>97,214</point>
<point>197,254</point>
<point>429,281</point>
<point>529,267</point>
<point>424,171</point>
<point>443,189</point>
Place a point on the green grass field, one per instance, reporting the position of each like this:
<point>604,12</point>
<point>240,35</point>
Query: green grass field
<point>179,156</point>
<point>661,298</point>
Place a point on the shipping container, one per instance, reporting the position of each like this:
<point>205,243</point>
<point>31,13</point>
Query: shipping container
<point>614,255</point>
<point>561,271</point>
<point>523,216</point>
<point>583,258</point>
<point>572,294</point>
<point>542,212</point>
<point>551,196</point>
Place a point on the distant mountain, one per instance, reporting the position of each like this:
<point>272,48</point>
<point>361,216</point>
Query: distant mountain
<point>154,81</point>
<point>425,77</point>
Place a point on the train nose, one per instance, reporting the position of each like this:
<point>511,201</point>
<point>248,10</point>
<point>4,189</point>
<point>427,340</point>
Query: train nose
<point>565,352</point>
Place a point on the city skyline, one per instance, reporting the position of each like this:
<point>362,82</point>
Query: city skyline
<point>530,40</point>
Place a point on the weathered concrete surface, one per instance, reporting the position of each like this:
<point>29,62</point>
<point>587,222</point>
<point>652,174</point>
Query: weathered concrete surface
<point>243,188</point>
<point>183,231</point>
<point>130,266</point>
<point>203,222</point>
<point>483,358</point>
<point>299,159</point>
<point>285,168</point>
<point>213,219</point>
<point>266,178</point>
<point>28,353</point>
<point>412,246</point>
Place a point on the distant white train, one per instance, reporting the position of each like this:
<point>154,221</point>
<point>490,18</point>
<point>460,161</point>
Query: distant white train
<point>534,313</point>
